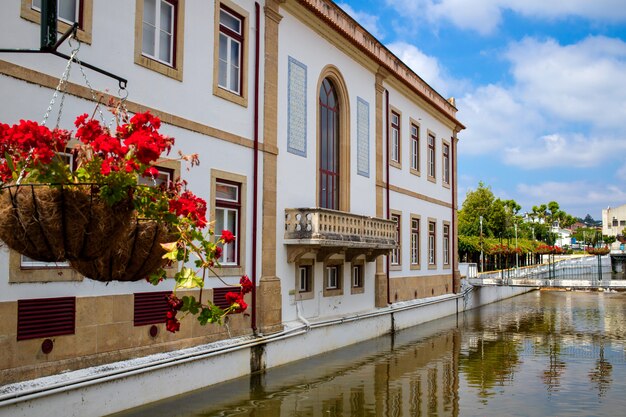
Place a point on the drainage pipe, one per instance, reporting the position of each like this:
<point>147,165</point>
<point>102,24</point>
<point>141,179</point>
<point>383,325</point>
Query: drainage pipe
<point>255,175</point>
<point>387,185</point>
<point>455,255</point>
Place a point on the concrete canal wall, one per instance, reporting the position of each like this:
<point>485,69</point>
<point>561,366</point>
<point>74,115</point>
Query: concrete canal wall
<point>115,387</point>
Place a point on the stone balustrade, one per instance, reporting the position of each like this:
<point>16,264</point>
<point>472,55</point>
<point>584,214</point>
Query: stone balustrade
<point>329,232</point>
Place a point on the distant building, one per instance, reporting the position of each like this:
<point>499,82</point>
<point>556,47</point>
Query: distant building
<point>614,222</point>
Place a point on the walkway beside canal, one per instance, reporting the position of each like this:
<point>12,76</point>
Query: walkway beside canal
<point>577,272</point>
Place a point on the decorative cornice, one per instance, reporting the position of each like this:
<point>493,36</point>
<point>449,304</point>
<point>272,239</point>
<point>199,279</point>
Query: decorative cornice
<point>272,13</point>
<point>350,30</point>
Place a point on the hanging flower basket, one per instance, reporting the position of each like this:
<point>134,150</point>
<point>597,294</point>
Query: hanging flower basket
<point>134,257</point>
<point>53,223</point>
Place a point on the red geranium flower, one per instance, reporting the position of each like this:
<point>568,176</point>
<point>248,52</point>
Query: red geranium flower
<point>227,236</point>
<point>246,284</point>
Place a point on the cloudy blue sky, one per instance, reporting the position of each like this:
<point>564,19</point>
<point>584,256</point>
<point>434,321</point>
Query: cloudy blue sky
<point>540,85</point>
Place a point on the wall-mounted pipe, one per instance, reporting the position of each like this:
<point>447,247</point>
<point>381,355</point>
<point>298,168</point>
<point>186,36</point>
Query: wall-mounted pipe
<point>455,255</point>
<point>387,185</point>
<point>255,174</point>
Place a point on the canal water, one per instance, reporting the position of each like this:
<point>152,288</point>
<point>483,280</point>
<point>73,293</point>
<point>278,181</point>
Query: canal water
<point>545,353</point>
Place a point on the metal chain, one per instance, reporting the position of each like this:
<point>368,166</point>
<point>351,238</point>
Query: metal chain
<point>91,90</point>
<point>62,84</point>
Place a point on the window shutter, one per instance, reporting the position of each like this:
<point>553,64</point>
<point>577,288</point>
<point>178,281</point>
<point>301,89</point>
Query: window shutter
<point>219,296</point>
<point>150,307</point>
<point>45,317</point>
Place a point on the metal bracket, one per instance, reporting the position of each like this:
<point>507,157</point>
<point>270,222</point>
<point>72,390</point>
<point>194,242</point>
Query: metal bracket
<point>49,43</point>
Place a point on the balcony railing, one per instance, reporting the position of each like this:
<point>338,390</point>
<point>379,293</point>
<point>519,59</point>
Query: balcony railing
<point>328,232</point>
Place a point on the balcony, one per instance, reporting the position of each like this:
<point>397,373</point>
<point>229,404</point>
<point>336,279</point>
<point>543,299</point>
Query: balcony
<point>328,232</point>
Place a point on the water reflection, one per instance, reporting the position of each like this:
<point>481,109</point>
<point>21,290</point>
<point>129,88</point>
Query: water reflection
<point>545,353</point>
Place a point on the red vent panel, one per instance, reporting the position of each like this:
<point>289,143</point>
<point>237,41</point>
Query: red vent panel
<point>150,307</point>
<point>219,296</point>
<point>45,317</point>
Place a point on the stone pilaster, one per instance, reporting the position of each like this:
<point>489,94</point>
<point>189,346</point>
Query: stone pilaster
<point>269,301</point>
<point>380,279</point>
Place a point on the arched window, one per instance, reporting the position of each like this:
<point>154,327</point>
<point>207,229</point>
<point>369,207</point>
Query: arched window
<point>329,146</point>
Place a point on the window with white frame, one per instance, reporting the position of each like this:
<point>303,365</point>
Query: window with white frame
<point>415,241</point>
<point>446,244</point>
<point>231,32</point>
<point>415,147</point>
<point>227,214</point>
<point>304,278</point>
<point>332,277</point>
<point>395,253</point>
<point>68,11</point>
<point>158,31</point>
<point>446,163</point>
<point>431,155</point>
<point>432,228</point>
<point>395,137</point>
<point>357,276</point>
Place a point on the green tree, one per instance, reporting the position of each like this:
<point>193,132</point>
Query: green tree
<point>477,203</point>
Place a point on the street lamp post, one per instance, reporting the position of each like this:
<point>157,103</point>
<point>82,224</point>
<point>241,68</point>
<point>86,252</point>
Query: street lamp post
<point>516,254</point>
<point>482,259</point>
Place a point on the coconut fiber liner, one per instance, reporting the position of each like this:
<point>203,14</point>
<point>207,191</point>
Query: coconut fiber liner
<point>54,223</point>
<point>134,257</point>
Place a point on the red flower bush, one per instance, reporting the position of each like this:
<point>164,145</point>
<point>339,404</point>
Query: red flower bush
<point>113,161</point>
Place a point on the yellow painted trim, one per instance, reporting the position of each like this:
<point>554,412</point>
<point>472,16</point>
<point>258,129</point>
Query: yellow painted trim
<point>45,80</point>
<point>404,191</point>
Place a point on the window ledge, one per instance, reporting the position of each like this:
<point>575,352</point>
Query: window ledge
<point>230,96</point>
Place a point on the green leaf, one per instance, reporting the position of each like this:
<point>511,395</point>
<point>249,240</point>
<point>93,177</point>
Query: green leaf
<point>187,278</point>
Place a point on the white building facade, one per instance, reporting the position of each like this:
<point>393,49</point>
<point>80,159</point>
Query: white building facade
<point>333,162</point>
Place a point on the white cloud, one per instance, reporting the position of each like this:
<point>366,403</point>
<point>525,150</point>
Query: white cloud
<point>495,119</point>
<point>484,16</point>
<point>565,107</point>
<point>368,21</point>
<point>557,150</point>
<point>427,67</point>
<point>574,197</point>
<point>583,82</point>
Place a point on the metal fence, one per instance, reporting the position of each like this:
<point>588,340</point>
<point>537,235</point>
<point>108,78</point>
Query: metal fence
<point>586,271</point>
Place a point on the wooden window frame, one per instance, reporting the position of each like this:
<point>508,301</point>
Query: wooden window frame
<point>446,244</point>
<point>397,253</point>
<point>397,129</point>
<point>175,69</point>
<point>415,258</point>
<point>330,176</point>
<point>360,265</point>
<point>445,164</point>
<point>432,243</point>
<point>415,148</point>
<point>309,294</point>
<point>230,7</point>
<point>337,264</point>
<point>432,163</point>
<point>229,206</point>
<point>240,180</point>
<point>85,19</point>
<point>334,75</point>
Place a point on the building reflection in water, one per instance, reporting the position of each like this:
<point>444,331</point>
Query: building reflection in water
<point>520,352</point>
